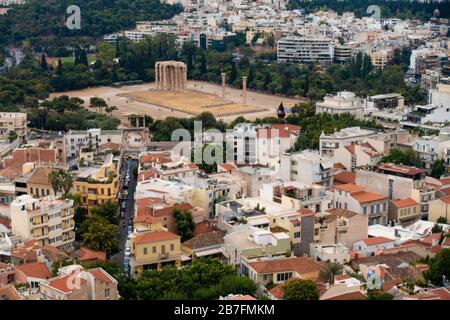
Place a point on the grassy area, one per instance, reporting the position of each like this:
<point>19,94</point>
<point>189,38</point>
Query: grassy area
<point>66,60</point>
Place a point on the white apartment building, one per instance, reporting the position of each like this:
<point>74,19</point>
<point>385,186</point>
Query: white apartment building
<point>306,166</point>
<point>13,121</point>
<point>342,102</point>
<point>48,221</point>
<point>243,143</point>
<point>273,140</point>
<point>76,139</point>
<point>305,50</point>
<point>432,148</point>
<point>347,136</point>
<point>441,95</point>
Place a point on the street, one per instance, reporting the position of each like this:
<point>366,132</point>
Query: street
<point>129,208</point>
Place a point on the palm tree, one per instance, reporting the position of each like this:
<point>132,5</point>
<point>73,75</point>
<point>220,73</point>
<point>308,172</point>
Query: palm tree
<point>66,181</point>
<point>332,269</point>
<point>55,180</point>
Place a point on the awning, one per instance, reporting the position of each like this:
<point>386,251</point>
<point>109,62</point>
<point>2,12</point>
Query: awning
<point>208,252</point>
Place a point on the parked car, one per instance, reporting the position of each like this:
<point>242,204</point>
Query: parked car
<point>127,252</point>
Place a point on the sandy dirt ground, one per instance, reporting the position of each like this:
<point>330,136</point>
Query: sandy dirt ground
<point>120,97</point>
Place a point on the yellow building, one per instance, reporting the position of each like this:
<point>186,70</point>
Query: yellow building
<point>97,185</point>
<point>440,208</point>
<point>154,250</point>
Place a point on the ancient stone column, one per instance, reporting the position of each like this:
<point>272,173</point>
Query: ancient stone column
<point>156,75</point>
<point>244,89</point>
<point>223,84</point>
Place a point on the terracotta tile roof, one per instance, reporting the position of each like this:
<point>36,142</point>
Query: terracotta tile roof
<point>445,199</point>
<point>148,202</point>
<point>40,176</point>
<point>5,221</point>
<point>404,203</point>
<point>445,181</point>
<point>350,148</point>
<point>148,174</point>
<point>366,196</point>
<point>399,168</point>
<point>341,212</point>
<point>203,227</point>
<point>445,191</point>
<point>301,265</point>
<point>85,254</point>
<point>101,275</point>
<point>205,240</point>
<point>53,253</point>
<point>155,236</point>
<point>345,177</point>
<point>388,285</point>
<point>155,158</point>
<point>169,210</point>
<point>376,240</point>
<point>36,270</point>
<point>339,166</point>
<point>278,130</point>
<point>61,283</point>
<point>228,166</point>
<point>350,187</point>
<point>435,237</point>
<point>305,212</point>
<point>442,293</point>
<point>9,292</point>
<point>11,171</point>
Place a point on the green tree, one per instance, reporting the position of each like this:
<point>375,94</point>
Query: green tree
<point>184,223</point>
<point>43,62</point>
<point>55,180</point>
<point>300,289</point>
<point>12,136</point>
<point>107,210</point>
<point>101,235</point>
<point>407,157</point>
<point>439,267</point>
<point>438,168</point>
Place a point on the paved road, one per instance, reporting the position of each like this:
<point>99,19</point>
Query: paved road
<point>129,211</point>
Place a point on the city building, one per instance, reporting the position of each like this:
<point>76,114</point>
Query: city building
<point>75,283</point>
<point>48,221</point>
<point>342,102</point>
<point>351,135</point>
<point>306,166</point>
<point>154,250</point>
<point>403,211</point>
<point>342,226</point>
<point>97,185</point>
<point>356,198</point>
<point>93,138</point>
<point>305,50</point>
<point>13,122</point>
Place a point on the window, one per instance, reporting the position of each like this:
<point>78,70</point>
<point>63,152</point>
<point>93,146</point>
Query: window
<point>154,249</point>
<point>106,293</point>
<point>284,276</point>
<point>163,249</point>
<point>297,234</point>
<point>145,251</point>
<point>172,247</point>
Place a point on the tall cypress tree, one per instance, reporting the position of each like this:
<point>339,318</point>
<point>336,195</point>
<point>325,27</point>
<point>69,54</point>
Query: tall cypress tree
<point>43,62</point>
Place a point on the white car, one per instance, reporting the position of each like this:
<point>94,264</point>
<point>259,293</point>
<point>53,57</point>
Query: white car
<point>127,252</point>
